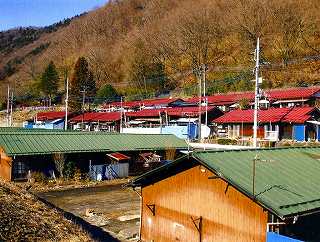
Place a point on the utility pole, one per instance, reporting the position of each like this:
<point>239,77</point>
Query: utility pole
<point>121,107</point>
<point>256,96</point>
<point>206,111</point>
<point>83,102</point>
<point>204,79</point>
<point>11,107</point>
<point>199,74</point>
<point>66,103</point>
<point>8,105</point>
<point>204,92</point>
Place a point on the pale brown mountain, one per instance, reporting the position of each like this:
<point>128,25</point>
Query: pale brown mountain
<point>161,44</point>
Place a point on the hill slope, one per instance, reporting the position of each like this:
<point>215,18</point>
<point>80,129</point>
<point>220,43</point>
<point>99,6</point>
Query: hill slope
<point>160,44</point>
<point>24,218</point>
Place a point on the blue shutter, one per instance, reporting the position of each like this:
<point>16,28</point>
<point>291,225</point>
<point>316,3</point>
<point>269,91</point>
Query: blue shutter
<point>299,132</point>
<point>273,237</point>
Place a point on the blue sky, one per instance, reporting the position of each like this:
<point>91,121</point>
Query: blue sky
<point>16,13</point>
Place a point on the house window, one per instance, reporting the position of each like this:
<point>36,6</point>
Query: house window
<point>19,169</point>
<point>271,132</point>
<point>233,131</point>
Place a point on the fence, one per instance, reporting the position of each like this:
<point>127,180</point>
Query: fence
<point>109,172</point>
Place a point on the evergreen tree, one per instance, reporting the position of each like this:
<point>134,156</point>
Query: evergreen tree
<point>91,85</point>
<point>106,92</point>
<point>81,81</point>
<point>49,81</point>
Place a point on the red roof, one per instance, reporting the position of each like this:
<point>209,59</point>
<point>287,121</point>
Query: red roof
<point>146,113</point>
<point>273,115</point>
<point>146,103</point>
<point>228,98</point>
<point>187,111</point>
<point>159,101</point>
<point>175,111</point>
<point>118,156</point>
<point>44,116</point>
<point>292,93</point>
<point>130,104</point>
<point>272,94</point>
<point>97,117</point>
<point>298,115</point>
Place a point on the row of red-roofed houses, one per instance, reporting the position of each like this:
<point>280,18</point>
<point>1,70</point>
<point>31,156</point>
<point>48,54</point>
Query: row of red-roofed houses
<point>298,96</point>
<point>285,114</point>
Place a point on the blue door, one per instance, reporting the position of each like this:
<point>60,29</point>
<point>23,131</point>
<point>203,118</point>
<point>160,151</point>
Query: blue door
<point>299,132</point>
<point>273,237</point>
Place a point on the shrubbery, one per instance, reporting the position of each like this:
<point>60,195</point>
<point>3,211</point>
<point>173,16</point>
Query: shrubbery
<point>226,141</point>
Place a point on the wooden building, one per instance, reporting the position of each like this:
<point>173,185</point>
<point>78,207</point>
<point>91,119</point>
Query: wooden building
<point>163,116</point>
<point>145,104</point>
<point>48,120</point>
<point>5,165</point>
<point>28,150</point>
<point>96,121</point>
<point>232,196</point>
<point>295,123</point>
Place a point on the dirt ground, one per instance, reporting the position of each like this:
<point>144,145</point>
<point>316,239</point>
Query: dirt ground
<point>111,207</point>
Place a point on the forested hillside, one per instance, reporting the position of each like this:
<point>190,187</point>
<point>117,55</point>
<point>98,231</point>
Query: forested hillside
<point>159,45</point>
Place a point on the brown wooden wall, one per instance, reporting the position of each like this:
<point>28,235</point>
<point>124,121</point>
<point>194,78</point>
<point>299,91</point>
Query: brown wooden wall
<point>230,217</point>
<point>5,166</point>
<point>247,130</point>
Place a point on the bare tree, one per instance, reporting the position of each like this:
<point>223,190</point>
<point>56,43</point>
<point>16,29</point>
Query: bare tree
<point>289,25</point>
<point>59,161</point>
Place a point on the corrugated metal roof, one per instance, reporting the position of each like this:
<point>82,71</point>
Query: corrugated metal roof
<point>292,93</point>
<point>299,114</point>
<point>51,115</point>
<point>97,117</point>
<point>286,181</point>
<point>31,143</point>
<point>20,129</point>
<point>145,102</point>
<point>272,94</point>
<point>174,111</point>
<point>274,115</point>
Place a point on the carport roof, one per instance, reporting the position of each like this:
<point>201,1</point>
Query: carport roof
<point>17,143</point>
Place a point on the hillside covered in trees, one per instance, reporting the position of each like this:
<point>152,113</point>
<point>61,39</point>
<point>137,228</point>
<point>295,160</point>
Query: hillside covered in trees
<point>154,46</point>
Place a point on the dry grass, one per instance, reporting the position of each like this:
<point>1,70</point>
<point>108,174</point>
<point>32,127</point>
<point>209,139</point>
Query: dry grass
<point>24,218</point>
<point>61,184</point>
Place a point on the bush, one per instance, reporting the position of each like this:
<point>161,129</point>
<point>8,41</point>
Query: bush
<point>77,175</point>
<point>39,177</point>
<point>227,141</point>
<point>69,169</point>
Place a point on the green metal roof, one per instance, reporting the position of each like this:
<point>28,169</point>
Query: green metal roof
<point>286,181</point>
<point>20,129</point>
<point>41,142</point>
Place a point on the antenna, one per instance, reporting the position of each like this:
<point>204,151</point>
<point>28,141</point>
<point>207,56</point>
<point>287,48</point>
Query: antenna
<point>256,158</point>
<point>256,95</point>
